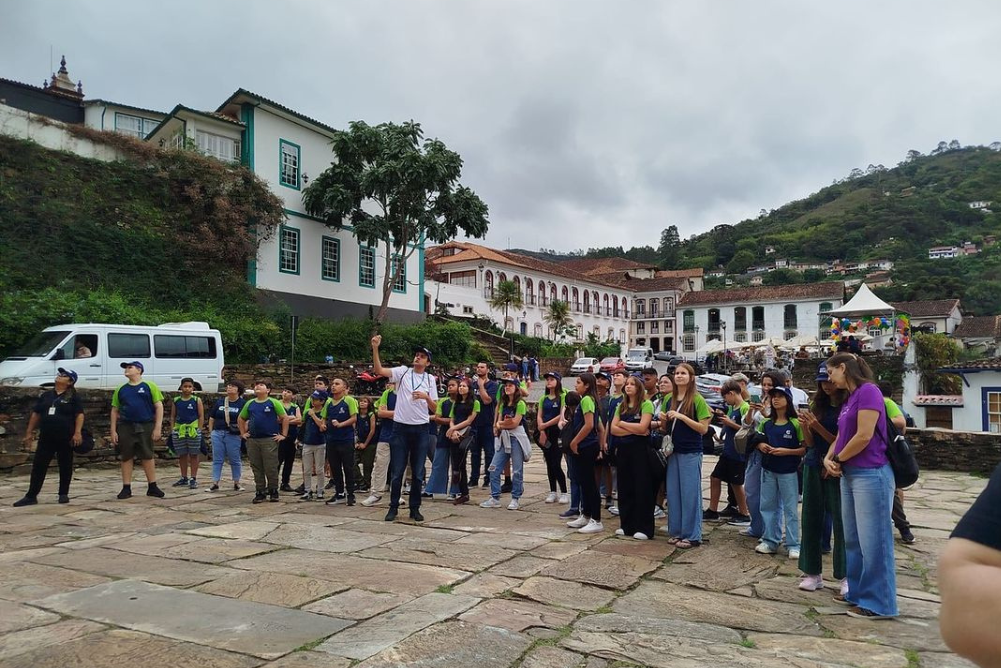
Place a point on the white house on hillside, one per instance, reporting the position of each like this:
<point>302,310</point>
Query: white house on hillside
<point>940,316</point>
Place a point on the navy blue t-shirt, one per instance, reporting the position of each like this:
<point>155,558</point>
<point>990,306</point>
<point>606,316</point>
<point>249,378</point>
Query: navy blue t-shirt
<point>185,410</point>
<point>829,421</point>
<point>363,426</point>
<point>293,412</point>
<point>485,418</point>
<point>386,424</point>
<point>311,434</point>
<point>788,435</point>
<point>736,414</point>
<point>219,413</point>
<point>264,417</point>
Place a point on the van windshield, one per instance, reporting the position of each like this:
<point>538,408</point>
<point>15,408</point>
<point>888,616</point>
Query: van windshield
<point>41,344</point>
<point>636,354</point>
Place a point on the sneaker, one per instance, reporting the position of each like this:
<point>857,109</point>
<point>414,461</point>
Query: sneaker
<point>564,498</point>
<point>390,515</point>
<point>153,490</point>
<point>842,599</point>
<point>427,495</point>
<point>794,553</point>
<point>332,501</point>
<point>416,516</point>
<point>620,532</point>
<point>740,521</point>
<point>192,484</point>
<point>27,501</point>
<point>592,526</point>
<point>406,488</point>
<point>214,487</point>
<point>259,497</point>
<point>183,482</point>
<point>729,511</point>
<point>579,522</point>
<point>485,485</point>
<point>614,510</point>
<point>306,496</point>
<point>319,495</point>
<point>513,505</point>
<point>237,487</point>
<point>569,512</point>
<point>340,496</point>
<point>371,501</point>
<point>551,498</point>
<point>285,487</point>
<point>710,515</point>
<point>811,583</point>
<point>747,532</point>
<point>459,500</point>
<point>330,484</point>
<point>865,613</point>
<point>608,502</point>
<point>765,548</point>
<point>907,538</point>
<point>844,587</point>
<point>301,489</point>
<point>351,500</point>
<point>273,496</point>
<point>490,503</point>
<point>639,535</point>
<point>658,512</point>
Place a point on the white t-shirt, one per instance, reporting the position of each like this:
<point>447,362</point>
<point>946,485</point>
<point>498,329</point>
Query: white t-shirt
<point>799,396</point>
<point>407,381</point>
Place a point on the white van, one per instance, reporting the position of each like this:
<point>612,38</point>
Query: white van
<point>168,353</point>
<point>639,358</point>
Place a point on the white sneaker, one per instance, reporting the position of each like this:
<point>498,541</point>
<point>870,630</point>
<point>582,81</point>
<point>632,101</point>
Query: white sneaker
<point>844,587</point>
<point>490,503</point>
<point>664,529</point>
<point>579,522</point>
<point>371,501</point>
<point>592,526</point>
<point>614,510</point>
<point>513,505</point>
<point>764,548</point>
<point>794,553</point>
<point>551,498</point>
<point>639,535</point>
<point>564,498</point>
<point>811,583</point>
<point>658,512</point>
<point>620,532</point>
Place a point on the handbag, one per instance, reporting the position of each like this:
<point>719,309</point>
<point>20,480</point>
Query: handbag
<point>667,443</point>
<point>901,456</point>
<point>86,443</point>
<point>230,427</point>
<point>742,438</point>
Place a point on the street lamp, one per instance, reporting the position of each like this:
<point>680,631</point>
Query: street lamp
<point>696,344</point>
<point>722,326</point>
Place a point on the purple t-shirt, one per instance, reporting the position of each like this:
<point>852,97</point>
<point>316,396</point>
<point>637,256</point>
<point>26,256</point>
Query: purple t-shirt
<point>865,397</point>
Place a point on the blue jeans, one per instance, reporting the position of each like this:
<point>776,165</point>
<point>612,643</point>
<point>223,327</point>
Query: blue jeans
<point>496,469</point>
<point>483,443</point>
<point>574,483</point>
<point>225,445</point>
<point>752,488</point>
<point>408,445</point>
<point>438,480</point>
<point>780,495</point>
<point>684,495</point>
<point>866,504</point>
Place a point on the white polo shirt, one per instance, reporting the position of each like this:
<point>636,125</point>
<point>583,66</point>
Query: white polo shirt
<point>407,381</point>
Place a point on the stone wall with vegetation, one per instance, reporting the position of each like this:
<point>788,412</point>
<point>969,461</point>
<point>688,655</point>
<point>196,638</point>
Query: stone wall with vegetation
<point>965,451</point>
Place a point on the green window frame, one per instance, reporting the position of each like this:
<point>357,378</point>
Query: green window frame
<point>366,266</point>
<point>688,320</point>
<point>330,259</point>
<point>289,164</point>
<point>289,249</point>
<point>400,284</point>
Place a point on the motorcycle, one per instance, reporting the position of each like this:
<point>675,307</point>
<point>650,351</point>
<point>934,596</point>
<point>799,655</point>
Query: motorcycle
<point>368,383</point>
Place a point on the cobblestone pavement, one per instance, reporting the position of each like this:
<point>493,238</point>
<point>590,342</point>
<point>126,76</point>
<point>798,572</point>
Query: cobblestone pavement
<point>207,579</point>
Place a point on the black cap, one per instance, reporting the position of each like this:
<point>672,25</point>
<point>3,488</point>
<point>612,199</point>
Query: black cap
<point>422,349</point>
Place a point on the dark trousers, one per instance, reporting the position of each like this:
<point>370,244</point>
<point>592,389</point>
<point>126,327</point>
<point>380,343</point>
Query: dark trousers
<point>286,459</point>
<point>364,463</point>
<point>407,446</point>
<point>821,499</point>
<point>590,501</point>
<point>483,446</point>
<point>341,457</point>
<point>554,467</point>
<point>40,466</point>
<point>898,515</point>
<point>635,488</point>
<point>459,477</point>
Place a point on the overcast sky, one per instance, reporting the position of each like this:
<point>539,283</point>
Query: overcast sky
<point>581,123</point>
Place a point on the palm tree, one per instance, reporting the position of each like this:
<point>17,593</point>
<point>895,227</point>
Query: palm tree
<point>558,317</point>
<point>506,295</point>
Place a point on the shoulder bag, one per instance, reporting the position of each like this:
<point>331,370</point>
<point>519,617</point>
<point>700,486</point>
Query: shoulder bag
<point>901,456</point>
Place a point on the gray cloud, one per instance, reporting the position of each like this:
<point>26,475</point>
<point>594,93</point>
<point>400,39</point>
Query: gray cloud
<point>594,123</point>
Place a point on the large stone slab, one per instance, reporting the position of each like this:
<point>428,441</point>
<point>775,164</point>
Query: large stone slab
<point>289,591</point>
<point>433,553</point>
<point>670,601</point>
<point>573,595</point>
<point>453,644</point>
<point>546,656</point>
<point>602,569</point>
<point>407,530</point>
<point>374,635</point>
<point>786,589</point>
<point>517,615</point>
<point>558,550</point>
<point>722,568</point>
<point>30,581</point>
<point>486,585</point>
<point>13,644</point>
<point>413,579</point>
<point>117,564</point>
<point>16,556</point>
<point>828,649</point>
<point>619,623</point>
<point>654,550</point>
<point>522,566</point>
<point>14,617</point>
<point>923,635</point>
<point>357,604</point>
<point>114,649</point>
<point>246,530</point>
<point>212,550</point>
<point>265,631</point>
<point>325,539</point>
<point>508,541</point>
<point>309,660</point>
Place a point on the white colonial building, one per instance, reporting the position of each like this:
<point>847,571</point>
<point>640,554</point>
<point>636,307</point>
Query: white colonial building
<point>748,315</point>
<point>463,277</point>
<point>936,316</point>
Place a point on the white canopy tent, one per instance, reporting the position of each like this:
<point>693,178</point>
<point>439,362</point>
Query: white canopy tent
<point>710,347</point>
<point>863,303</point>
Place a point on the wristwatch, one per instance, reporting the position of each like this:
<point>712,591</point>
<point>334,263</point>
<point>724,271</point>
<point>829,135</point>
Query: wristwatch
<point>836,460</point>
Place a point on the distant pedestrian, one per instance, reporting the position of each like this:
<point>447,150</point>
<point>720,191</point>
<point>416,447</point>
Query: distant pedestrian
<point>585,448</point>
<point>547,421</point>
<point>631,427</point>
<point>58,416</point>
<point>136,421</point>
<point>385,409</point>
<point>340,414</point>
<point>224,428</point>
<point>365,445</point>
<point>460,435</point>
<point>187,415</point>
<point>262,423</point>
<point>313,447</point>
<point>286,449</point>
<point>512,445</point>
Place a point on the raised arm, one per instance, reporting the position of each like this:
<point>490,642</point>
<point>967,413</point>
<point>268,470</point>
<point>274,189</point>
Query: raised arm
<point>376,362</point>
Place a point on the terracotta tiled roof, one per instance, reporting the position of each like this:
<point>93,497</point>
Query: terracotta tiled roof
<point>604,265</point>
<point>979,327</point>
<point>680,273</point>
<point>624,280</point>
<point>931,308</point>
<point>938,400</point>
<point>831,290</point>
<point>989,364</point>
<point>276,105</point>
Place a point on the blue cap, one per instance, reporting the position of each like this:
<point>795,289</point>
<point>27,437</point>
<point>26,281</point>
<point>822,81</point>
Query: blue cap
<point>422,349</point>
<point>603,374</point>
<point>136,363</point>
<point>822,376</point>
<point>786,393</point>
<point>318,394</point>
<point>512,381</point>
<point>553,374</point>
<point>68,373</point>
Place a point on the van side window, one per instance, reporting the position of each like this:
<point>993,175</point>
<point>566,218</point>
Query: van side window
<point>85,345</point>
<point>128,346</point>
<point>186,347</point>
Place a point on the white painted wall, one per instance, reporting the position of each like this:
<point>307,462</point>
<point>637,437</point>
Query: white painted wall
<point>970,417</point>
<point>51,134</point>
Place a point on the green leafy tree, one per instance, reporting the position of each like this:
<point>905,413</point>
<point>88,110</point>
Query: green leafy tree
<point>740,262</point>
<point>558,317</point>
<point>397,189</point>
<point>595,347</point>
<point>782,277</point>
<point>506,296</point>
<point>669,249</point>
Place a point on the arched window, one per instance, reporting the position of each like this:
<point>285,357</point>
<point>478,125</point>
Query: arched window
<point>529,291</point>
<point>517,284</point>
<point>597,304</point>
<point>580,332</point>
<point>587,302</point>
<point>615,307</point>
<point>538,329</point>
<point>597,332</point>
<point>566,294</point>
<point>576,300</point>
<point>543,293</point>
<point>622,336</point>
<point>607,310</point>
<point>640,308</point>
<point>668,307</point>
<point>611,334</point>
<point>488,283</point>
<point>502,277</point>
<point>625,308</point>
<point>654,307</point>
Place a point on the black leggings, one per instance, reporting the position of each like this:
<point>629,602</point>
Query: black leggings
<point>40,466</point>
<point>286,458</point>
<point>584,471</point>
<point>554,467</point>
<point>341,457</point>
<point>459,476</point>
<point>636,495</point>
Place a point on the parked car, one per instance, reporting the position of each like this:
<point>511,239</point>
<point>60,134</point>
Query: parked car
<point>584,365</point>
<point>708,385</point>
<point>664,356</point>
<point>673,363</point>
<point>639,358</point>
<point>612,364</point>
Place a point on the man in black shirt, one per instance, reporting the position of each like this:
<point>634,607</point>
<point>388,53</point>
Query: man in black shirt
<point>970,580</point>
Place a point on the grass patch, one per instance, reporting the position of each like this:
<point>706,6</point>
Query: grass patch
<point>507,593</point>
<point>624,664</point>
<point>913,660</point>
<point>603,610</point>
<point>748,643</point>
<point>444,589</point>
<point>310,645</point>
<point>812,615</point>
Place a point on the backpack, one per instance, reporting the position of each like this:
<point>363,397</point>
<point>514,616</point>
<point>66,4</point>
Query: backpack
<point>901,456</point>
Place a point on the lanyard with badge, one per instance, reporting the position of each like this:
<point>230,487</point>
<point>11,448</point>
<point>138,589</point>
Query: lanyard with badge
<point>415,388</point>
<point>58,399</point>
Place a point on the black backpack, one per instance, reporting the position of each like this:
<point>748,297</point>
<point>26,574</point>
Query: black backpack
<point>901,456</point>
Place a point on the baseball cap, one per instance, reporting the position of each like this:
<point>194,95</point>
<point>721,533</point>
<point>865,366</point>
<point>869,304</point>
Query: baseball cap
<point>509,381</point>
<point>740,378</point>
<point>136,363</point>
<point>784,391</point>
<point>318,394</point>
<point>822,376</point>
<point>553,374</point>
<point>422,349</point>
<point>603,374</point>
<point>72,375</point>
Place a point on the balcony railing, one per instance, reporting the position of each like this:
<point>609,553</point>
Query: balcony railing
<point>758,324</point>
